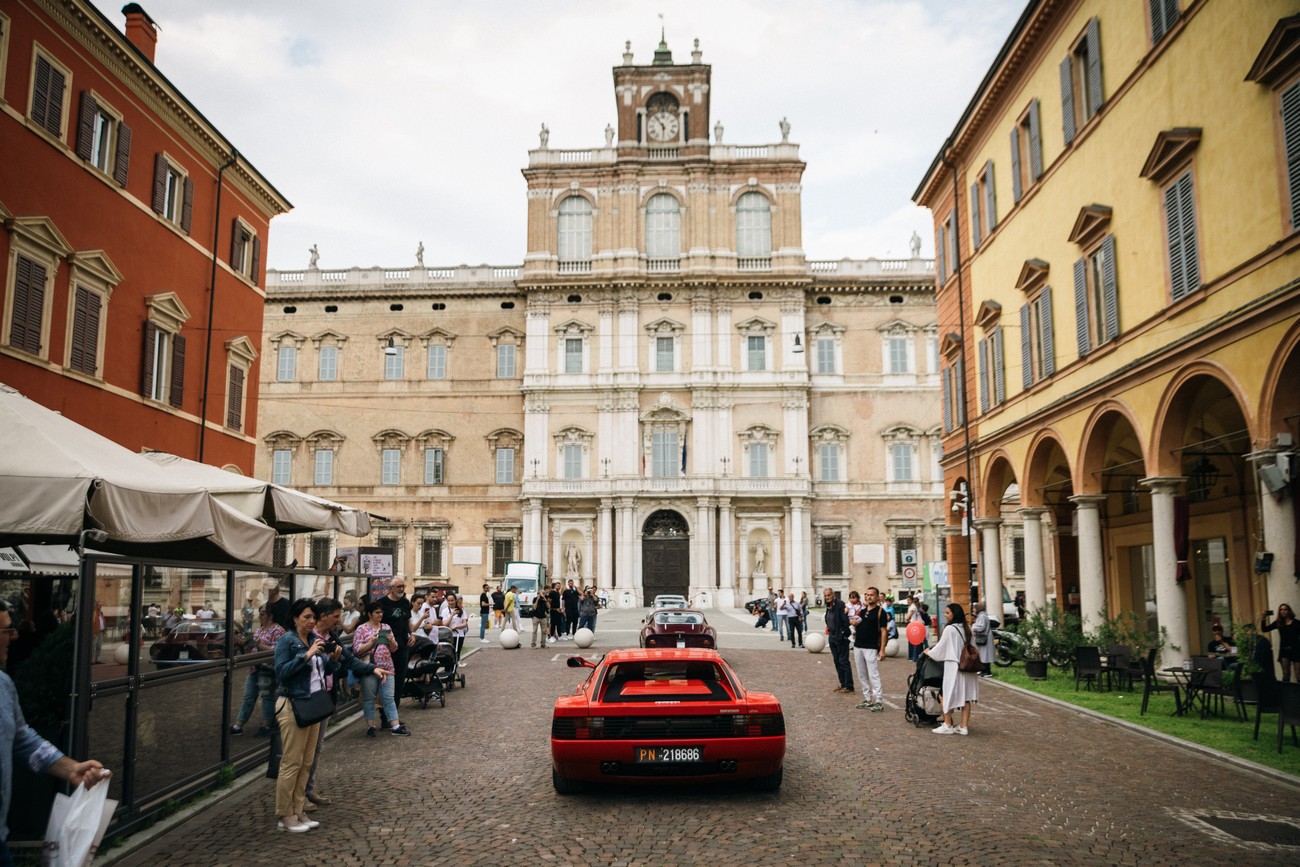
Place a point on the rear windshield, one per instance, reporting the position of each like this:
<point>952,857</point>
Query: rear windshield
<point>679,618</point>
<point>666,680</point>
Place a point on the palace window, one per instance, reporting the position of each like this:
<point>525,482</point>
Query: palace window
<point>286,363</point>
<point>753,231</point>
<point>102,139</point>
<point>390,466</point>
<point>663,230</point>
<point>437,368</point>
<point>329,363</point>
<point>574,233</point>
<point>49,94</point>
<point>505,466</point>
<point>173,192</point>
<point>324,467</point>
<point>434,464</point>
<point>281,466</point>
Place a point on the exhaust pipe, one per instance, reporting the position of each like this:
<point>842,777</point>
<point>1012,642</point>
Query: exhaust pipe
<point>609,767</point>
<point>727,766</point>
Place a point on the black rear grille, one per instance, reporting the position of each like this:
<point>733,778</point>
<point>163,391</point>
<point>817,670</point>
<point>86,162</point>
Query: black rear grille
<point>626,728</point>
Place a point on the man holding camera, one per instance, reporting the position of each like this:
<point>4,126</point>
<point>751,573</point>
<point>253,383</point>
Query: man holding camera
<point>329,612</point>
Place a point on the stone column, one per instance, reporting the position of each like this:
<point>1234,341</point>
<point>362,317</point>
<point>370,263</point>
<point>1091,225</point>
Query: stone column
<point>726,555</point>
<point>1277,521</point>
<point>990,530</point>
<point>605,541</point>
<point>1035,572</point>
<point>1092,560</point>
<point>1171,600</point>
<point>533,540</point>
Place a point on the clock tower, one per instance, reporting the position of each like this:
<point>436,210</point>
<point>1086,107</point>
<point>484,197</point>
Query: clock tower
<point>663,105</point>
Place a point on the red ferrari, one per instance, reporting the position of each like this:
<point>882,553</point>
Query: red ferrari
<point>678,628</point>
<point>665,715</point>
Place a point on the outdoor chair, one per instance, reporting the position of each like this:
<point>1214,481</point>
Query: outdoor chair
<point>1087,666</point>
<point>1288,711</point>
<point>1119,666</point>
<point>1209,682</point>
<point>1245,694</point>
<point>1266,697</point>
<point>1152,684</point>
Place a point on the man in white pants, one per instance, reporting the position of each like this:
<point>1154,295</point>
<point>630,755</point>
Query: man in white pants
<point>869,642</point>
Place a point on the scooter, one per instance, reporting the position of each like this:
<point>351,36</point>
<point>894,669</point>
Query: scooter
<point>1010,648</point>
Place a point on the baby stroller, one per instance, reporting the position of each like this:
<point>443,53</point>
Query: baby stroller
<point>924,705</point>
<point>422,682</point>
<point>447,672</point>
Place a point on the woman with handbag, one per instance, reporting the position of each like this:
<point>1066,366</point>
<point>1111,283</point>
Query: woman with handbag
<point>961,668</point>
<point>301,664</point>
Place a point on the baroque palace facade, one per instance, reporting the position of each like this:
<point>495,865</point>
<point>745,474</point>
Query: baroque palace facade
<point>665,397</point>
<point>1139,422</point>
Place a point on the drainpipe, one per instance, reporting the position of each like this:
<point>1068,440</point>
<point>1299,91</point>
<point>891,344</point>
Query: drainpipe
<point>212,301</point>
<point>966,407</point>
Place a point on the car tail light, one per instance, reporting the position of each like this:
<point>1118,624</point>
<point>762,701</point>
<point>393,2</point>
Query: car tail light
<point>756,725</point>
<point>578,728</point>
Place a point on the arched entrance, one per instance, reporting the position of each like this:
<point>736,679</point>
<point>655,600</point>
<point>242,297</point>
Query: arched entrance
<point>665,555</point>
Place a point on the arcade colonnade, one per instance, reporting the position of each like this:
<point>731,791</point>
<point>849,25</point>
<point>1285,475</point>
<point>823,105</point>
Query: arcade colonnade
<point>1175,497</point>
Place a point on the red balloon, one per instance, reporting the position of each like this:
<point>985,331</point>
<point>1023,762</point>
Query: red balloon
<point>915,632</point>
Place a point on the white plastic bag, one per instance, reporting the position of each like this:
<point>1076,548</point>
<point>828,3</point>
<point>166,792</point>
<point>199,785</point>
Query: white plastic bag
<point>77,825</point>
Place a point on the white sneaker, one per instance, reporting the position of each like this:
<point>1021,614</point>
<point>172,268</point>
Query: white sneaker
<point>962,730</point>
<point>945,729</point>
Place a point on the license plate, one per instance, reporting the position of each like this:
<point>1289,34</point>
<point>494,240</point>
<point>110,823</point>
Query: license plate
<point>184,654</point>
<point>668,755</point>
<point>681,642</point>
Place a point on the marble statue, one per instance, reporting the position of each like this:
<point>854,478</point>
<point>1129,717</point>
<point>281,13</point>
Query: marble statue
<point>717,133</point>
<point>419,254</point>
<point>545,136</point>
<point>573,562</point>
<point>760,559</point>
<point>315,256</point>
<point>609,135</point>
<point>785,130</point>
<point>915,244</point>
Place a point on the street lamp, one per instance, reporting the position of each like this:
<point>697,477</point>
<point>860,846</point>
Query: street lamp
<point>798,345</point>
<point>391,349</point>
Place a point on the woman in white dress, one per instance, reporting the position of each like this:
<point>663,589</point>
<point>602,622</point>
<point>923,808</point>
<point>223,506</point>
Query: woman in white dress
<point>960,688</point>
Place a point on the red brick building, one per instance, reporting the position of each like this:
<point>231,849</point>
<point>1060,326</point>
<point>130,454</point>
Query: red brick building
<point>131,260</point>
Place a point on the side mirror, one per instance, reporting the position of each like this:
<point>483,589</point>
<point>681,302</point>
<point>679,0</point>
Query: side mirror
<point>579,662</point>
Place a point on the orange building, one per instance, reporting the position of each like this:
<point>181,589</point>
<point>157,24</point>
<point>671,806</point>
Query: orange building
<point>134,239</point>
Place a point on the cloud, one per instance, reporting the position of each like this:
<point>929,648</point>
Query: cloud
<point>387,124</point>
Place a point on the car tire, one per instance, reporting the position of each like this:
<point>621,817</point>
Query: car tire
<point>770,783</point>
<point>563,785</point>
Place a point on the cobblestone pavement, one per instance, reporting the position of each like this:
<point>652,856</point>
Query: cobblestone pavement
<point>1033,784</point>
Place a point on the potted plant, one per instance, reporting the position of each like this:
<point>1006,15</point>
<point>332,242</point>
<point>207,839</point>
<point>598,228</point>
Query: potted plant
<point>1048,635</point>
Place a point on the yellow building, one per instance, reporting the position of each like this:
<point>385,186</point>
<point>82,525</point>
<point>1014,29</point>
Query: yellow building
<point>1116,218</point>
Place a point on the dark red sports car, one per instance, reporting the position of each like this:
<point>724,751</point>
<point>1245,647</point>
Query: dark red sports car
<point>678,627</point>
<point>665,715</point>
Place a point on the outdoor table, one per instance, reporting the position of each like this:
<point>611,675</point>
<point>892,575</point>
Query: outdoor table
<point>1111,666</point>
<point>1189,680</point>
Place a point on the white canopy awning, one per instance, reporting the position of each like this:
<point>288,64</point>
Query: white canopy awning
<point>58,478</point>
<point>285,509</point>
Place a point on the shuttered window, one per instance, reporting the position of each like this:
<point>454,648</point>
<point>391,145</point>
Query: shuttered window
<point>947,400</point>
<point>505,466</point>
<point>1037,342</point>
<point>828,459</point>
<point>976,223</point>
<point>163,365</point>
<point>901,457</point>
<point>173,193</point>
<point>1096,297</point>
<point>235,398</point>
<point>329,363</point>
<point>434,464</point>
<point>1180,235</point>
<point>959,391</point>
<point>663,228</point>
<point>245,250</point>
<point>390,469</point>
<point>1164,14</point>
<point>1081,86</point>
<point>28,305</point>
<point>758,460</point>
<point>990,199</point>
<point>84,349</point>
<point>324,474</point>
<point>47,96</point>
<point>753,226</point>
<point>572,461</point>
<point>437,361</point>
<point>1291,136</point>
<point>1026,151</point>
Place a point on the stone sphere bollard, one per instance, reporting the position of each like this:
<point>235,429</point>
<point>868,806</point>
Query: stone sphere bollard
<point>509,639</point>
<point>814,642</point>
<point>893,647</point>
<point>122,654</point>
<point>584,637</point>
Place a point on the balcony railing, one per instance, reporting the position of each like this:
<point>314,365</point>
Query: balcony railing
<point>660,265</point>
<point>575,267</point>
<point>754,264</point>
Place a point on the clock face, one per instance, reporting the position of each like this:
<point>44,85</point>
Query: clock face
<point>662,126</point>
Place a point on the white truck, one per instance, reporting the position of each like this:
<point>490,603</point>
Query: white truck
<point>527,579</point>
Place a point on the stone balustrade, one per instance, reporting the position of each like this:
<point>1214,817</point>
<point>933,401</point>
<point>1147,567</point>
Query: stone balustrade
<point>717,153</point>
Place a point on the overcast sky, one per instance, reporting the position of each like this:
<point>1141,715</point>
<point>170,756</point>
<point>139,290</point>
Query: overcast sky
<point>387,124</point>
